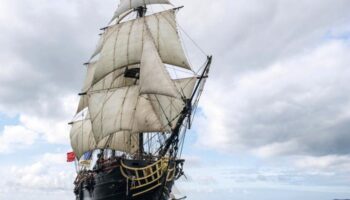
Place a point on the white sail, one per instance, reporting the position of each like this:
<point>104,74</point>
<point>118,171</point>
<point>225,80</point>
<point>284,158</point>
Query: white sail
<point>124,43</point>
<point>84,99</point>
<point>115,79</point>
<point>126,109</point>
<point>123,110</point>
<point>185,86</point>
<point>82,140</point>
<point>83,103</point>
<point>81,137</point>
<point>99,46</point>
<point>146,119</point>
<point>126,5</point>
<point>123,141</point>
<point>112,111</point>
<point>89,76</point>
<point>168,109</point>
<point>154,77</point>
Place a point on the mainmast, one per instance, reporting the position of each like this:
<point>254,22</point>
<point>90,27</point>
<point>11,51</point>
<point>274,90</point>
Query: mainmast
<point>141,12</point>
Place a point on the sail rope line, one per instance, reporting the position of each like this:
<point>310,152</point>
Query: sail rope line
<point>128,44</point>
<point>158,47</point>
<point>179,38</point>
<point>127,57</point>
<point>106,96</point>
<point>131,123</point>
<point>114,56</point>
<point>82,126</point>
<point>176,30</point>
<point>122,108</point>
<point>166,117</point>
<point>199,94</point>
<point>194,42</point>
<point>149,32</point>
<point>182,91</point>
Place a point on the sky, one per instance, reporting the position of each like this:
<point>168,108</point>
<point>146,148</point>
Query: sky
<point>273,122</point>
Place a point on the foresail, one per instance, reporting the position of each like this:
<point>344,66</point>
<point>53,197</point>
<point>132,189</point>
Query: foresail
<point>124,43</point>
<point>126,5</point>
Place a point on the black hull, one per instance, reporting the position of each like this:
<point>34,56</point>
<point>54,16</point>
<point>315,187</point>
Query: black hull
<point>110,184</point>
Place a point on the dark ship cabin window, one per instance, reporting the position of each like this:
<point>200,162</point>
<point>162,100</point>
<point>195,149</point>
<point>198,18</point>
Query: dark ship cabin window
<point>132,73</point>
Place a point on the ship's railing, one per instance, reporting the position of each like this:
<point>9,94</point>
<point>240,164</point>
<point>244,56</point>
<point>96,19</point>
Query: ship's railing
<point>145,179</point>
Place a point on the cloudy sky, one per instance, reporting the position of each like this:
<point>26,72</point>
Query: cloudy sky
<point>274,121</point>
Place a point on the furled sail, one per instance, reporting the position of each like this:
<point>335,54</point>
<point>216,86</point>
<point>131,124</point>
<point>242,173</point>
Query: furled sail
<point>126,5</point>
<point>124,43</point>
<point>82,140</point>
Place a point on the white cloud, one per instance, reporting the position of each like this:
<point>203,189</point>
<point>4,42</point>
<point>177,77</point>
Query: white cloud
<point>331,163</point>
<point>54,130</point>
<point>297,105</point>
<point>16,137</point>
<point>49,173</point>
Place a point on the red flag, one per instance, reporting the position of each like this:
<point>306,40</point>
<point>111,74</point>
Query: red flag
<point>70,156</point>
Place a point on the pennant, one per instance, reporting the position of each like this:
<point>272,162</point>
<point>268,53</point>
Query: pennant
<point>87,155</point>
<point>70,156</point>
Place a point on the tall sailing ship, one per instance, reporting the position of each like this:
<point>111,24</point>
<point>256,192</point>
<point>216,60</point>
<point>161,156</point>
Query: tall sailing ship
<point>130,126</point>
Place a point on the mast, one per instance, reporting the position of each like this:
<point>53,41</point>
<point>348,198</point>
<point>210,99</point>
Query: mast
<point>141,12</point>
